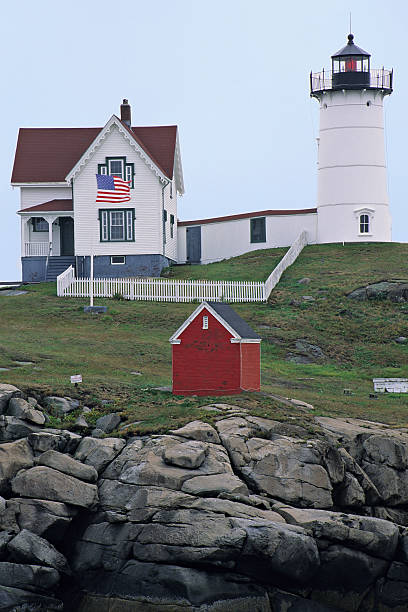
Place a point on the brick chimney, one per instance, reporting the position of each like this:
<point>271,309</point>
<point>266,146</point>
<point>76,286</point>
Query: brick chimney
<point>125,114</point>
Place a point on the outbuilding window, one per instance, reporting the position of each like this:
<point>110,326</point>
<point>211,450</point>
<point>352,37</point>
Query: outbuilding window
<point>117,225</point>
<point>205,322</point>
<point>258,229</point>
<point>364,224</point>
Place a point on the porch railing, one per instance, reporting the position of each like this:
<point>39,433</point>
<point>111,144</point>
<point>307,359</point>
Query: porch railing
<point>36,249</point>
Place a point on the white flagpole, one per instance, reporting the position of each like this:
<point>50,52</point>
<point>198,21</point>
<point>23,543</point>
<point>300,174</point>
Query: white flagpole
<point>91,287</point>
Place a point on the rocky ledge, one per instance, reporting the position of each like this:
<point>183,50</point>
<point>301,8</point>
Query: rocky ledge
<point>248,515</point>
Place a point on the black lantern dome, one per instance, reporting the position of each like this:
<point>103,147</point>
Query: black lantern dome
<point>351,67</point>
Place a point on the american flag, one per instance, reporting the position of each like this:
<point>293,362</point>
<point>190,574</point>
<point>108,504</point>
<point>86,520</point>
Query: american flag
<point>112,189</point>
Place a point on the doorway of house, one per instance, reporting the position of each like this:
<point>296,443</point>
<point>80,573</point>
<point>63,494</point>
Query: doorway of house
<point>66,235</point>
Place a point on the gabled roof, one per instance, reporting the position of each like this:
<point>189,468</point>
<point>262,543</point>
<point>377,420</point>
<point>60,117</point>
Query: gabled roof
<point>51,206</point>
<point>259,213</point>
<point>239,329</point>
<point>233,319</point>
<point>47,155</point>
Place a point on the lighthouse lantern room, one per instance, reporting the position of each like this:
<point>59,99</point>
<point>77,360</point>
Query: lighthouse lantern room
<point>352,199</point>
<point>351,67</point>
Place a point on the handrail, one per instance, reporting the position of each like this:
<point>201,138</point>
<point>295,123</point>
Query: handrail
<point>380,78</point>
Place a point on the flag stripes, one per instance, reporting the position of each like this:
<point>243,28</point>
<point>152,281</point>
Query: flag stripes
<point>112,189</point>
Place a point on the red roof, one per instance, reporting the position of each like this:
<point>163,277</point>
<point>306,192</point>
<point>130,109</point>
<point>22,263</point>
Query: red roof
<point>51,206</point>
<point>250,215</point>
<point>46,155</point>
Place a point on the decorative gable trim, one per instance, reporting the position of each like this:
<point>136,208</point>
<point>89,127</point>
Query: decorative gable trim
<point>113,123</point>
<point>204,305</point>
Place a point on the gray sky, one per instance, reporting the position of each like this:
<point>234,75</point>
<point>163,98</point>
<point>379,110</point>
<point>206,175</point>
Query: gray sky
<point>233,75</point>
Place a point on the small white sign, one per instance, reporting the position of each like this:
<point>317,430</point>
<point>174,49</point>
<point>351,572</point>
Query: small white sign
<point>390,385</point>
<point>77,378</point>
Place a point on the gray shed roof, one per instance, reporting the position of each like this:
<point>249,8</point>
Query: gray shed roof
<point>233,319</point>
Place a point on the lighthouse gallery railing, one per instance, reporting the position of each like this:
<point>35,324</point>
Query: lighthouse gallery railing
<point>380,78</point>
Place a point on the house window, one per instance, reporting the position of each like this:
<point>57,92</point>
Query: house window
<point>115,167</point>
<point>117,225</point>
<point>118,260</point>
<point>258,229</point>
<point>364,224</point>
<point>118,166</point>
<point>205,322</point>
<point>39,224</point>
<point>171,226</point>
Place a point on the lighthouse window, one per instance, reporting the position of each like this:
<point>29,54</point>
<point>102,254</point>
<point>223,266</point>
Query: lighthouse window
<point>258,230</point>
<point>364,224</point>
<point>350,64</point>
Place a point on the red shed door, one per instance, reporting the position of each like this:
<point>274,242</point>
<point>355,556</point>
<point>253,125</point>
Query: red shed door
<point>205,362</point>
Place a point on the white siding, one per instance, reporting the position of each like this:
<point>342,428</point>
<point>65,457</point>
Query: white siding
<point>170,204</point>
<point>31,196</point>
<point>230,238</point>
<point>352,170</point>
<point>146,200</point>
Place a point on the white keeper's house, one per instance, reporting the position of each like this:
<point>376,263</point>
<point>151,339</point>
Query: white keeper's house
<point>62,223</point>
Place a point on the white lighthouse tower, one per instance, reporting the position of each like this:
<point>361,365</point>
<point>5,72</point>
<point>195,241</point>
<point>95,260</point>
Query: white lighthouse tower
<point>352,201</point>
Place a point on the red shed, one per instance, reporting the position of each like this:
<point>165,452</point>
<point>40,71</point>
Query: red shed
<point>215,352</point>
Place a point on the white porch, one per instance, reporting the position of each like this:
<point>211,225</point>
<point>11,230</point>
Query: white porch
<point>51,242</point>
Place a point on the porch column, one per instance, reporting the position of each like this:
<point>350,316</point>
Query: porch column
<point>25,234</point>
<point>50,220</point>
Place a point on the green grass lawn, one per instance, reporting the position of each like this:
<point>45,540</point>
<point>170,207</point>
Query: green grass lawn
<point>358,339</point>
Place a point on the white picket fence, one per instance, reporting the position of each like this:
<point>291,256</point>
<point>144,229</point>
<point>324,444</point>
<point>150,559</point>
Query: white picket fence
<point>286,261</point>
<point>172,290</point>
<point>160,289</point>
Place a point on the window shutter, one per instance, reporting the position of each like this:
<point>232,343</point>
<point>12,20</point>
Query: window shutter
<point>104,220</point>
<point>129,175</point>
<point>129,224</point>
